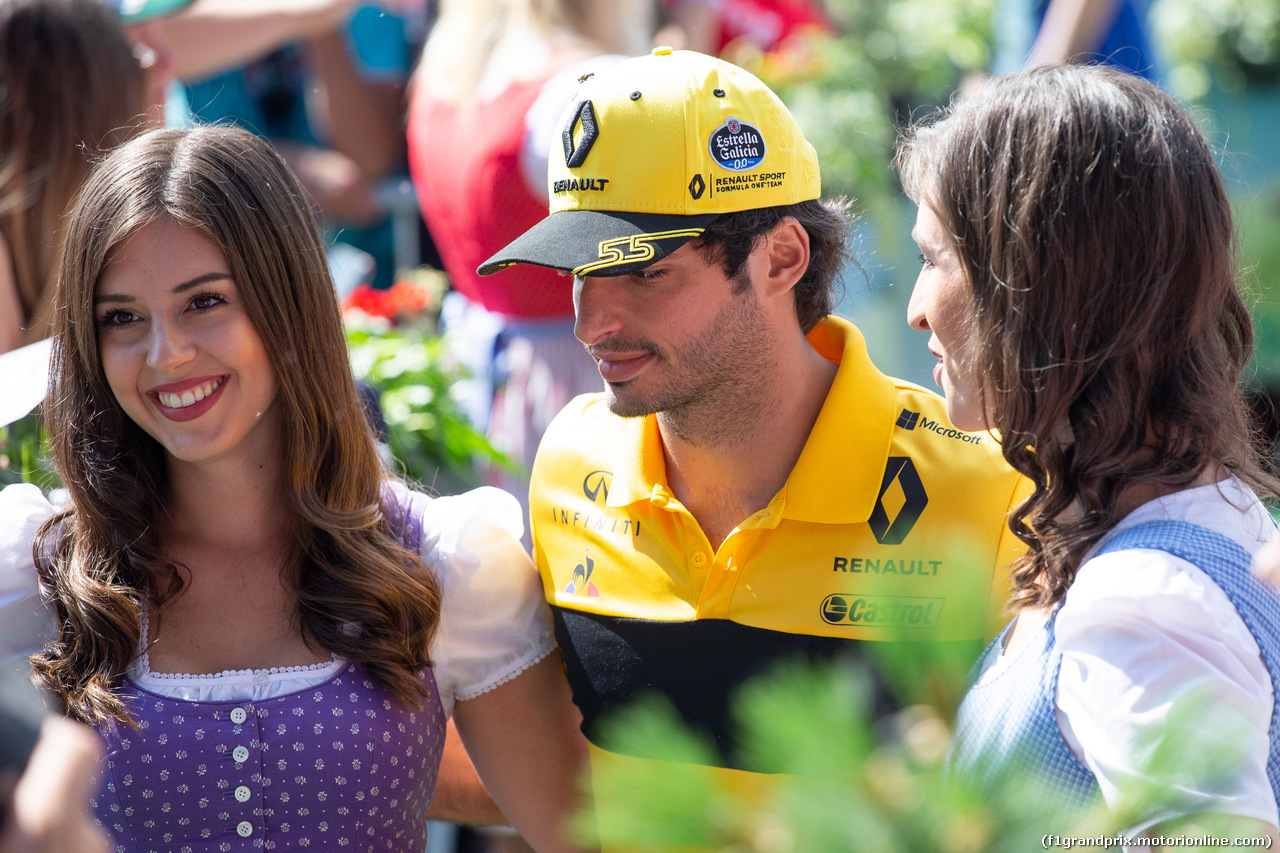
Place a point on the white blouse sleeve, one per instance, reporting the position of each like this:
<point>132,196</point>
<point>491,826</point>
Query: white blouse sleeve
<point>1146,639</point>
<point>494,621</point>
<point>25,623</point>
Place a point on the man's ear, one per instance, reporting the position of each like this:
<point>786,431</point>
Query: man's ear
<point>786,248</point>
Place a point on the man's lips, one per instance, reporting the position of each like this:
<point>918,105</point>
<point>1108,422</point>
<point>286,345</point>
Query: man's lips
<point>621,366</point>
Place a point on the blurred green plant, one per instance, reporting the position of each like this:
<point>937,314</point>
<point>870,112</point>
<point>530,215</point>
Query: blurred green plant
<point>850,92</point>
<point>846,781</point>
<point>24,454</point>
<point>1227,43</point>
<point>427,432</point>
<point>397,351</point>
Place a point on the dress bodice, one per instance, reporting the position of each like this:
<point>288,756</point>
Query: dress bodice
<point>341,766</point>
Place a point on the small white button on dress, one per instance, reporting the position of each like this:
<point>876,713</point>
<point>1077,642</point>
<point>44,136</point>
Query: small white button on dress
<point>242,794</point>
<point>244,829</point>
<point>238,715</point>
<point>240,754</point>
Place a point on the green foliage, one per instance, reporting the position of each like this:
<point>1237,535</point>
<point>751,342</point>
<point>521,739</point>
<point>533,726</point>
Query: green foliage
<point>849,92</point>
<point>1227,42</point>
<point>846,781</point>
<point>24,455</point>
<point>427,431</point>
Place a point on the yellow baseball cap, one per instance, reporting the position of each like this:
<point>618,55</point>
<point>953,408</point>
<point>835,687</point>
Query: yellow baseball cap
<point>655,148</point>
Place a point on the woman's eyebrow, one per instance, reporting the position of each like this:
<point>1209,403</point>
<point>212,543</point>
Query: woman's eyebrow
<point>181,288</point>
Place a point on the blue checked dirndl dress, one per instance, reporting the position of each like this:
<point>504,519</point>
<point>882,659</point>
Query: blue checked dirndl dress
<point>1007,733</point>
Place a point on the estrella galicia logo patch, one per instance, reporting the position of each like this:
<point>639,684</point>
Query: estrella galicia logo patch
<point>596,485</point>
<point>581,583</point>
<point>575,154</point>
<point>901,500</point>
<point>737,146</point>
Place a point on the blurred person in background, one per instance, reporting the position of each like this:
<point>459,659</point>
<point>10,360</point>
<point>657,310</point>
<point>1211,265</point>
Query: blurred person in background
<point>48,768</point>
<point>483,120</point>
<point>738,29</point>
<point>324,81</point>
<point>1031,33</point>
<point>71,88</point>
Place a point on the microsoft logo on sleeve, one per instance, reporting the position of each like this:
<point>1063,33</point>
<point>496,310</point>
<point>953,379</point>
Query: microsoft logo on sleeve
<point>909,419</point>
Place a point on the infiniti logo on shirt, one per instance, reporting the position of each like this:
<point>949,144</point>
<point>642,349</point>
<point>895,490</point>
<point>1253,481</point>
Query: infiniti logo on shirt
<point>596,485</point>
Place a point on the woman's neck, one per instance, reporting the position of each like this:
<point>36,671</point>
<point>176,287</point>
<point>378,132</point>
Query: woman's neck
<point>233,502</point>
<point>1142,493</point>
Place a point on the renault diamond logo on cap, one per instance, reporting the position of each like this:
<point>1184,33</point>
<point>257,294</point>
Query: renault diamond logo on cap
<point>737,146</point>
<point>697,187</point>
<point>576,155</point>
<point>901,501</point>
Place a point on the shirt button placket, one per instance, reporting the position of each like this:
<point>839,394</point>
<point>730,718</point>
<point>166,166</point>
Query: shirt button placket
<point>239,717</point>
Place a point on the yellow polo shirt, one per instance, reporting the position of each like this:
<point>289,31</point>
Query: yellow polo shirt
<point>890,526</point>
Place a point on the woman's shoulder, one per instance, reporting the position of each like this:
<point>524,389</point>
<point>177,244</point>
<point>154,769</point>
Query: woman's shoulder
<point>24,623</point>
<point>23,508</point>
<point>450,524</point>
<point>1154,584</point>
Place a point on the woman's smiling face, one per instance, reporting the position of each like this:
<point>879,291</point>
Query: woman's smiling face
<point>178,349</point>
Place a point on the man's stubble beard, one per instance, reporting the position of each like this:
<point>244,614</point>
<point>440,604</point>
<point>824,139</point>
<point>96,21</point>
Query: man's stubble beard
<point>716,392</point>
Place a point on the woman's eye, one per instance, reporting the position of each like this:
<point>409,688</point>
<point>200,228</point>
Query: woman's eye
<point>205,301</point>
<point>116,317</point>
<point>925,262</point>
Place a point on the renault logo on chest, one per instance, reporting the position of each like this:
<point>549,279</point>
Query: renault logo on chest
<point>901,500</point>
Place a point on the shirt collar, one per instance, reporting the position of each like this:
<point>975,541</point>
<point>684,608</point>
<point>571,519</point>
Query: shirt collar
<point>837,478</point>
<point>639,467</point>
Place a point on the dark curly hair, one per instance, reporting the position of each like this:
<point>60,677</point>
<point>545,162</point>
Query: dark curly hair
<point>730,238</point>
<point>1096,237</point>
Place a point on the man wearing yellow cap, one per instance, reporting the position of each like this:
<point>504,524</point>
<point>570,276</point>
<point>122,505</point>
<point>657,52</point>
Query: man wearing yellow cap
<point>748,487</point>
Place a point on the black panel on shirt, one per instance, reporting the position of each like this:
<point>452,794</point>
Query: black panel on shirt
<point>697,665</point>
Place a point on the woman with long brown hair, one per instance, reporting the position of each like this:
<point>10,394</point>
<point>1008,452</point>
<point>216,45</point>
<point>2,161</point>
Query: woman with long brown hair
<point>1078,284</point>
<point>268,631</point>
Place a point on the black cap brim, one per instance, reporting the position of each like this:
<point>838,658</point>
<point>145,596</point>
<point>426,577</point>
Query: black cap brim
<point>599,242</point>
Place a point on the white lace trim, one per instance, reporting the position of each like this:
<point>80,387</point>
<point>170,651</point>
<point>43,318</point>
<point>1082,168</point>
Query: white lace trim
<point>510,676</point>
<point>142,666</point>
<point>323,666</point>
